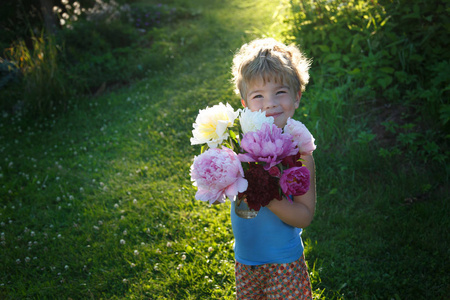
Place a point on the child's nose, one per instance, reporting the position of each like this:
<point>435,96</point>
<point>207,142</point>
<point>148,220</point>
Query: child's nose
<point>270,102</point>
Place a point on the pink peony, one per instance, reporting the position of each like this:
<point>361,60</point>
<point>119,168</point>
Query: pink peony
<point>301,135</point>
<point>218,174</point>
<point>295,181</point>
<point>267,145</point>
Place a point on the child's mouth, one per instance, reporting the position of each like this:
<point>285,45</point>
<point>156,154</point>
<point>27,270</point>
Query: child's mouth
<point>274,115</point>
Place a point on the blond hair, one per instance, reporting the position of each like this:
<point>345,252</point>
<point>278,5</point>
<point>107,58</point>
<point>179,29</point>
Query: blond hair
<point>268,59</point>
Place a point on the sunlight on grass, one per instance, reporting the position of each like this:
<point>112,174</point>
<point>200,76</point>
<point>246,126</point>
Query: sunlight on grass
<point>98,203</point>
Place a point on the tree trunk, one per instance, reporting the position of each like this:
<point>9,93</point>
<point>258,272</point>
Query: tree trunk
<point>50,20</point>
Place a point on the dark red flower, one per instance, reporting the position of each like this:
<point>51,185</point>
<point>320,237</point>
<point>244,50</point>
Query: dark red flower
<point>292,161</point>
<point>275,172</point>
<point>262,187</point>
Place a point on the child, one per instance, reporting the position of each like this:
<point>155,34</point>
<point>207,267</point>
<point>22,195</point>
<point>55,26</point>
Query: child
<point>271,77</point>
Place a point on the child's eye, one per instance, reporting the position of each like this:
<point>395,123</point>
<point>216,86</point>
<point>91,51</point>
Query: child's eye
<point>281,92</point>
<point>257,96</point>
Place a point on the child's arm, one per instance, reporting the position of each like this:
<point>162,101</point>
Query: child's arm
<point>300,212</point>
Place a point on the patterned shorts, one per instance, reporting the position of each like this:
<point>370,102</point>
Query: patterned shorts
<point>273,281</point>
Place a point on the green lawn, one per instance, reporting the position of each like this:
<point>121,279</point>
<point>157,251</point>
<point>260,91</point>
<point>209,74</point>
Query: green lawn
<point>98,203</point>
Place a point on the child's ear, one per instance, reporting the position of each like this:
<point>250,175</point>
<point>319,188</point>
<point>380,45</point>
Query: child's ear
<point>243,103</point>
<point>297,99</point>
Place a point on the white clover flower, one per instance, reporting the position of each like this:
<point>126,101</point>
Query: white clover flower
<point>62,22</point>
<point>132,265</point>
<point>169,244</point>
<point>251,121</point>
<point>210,249</point>
<point>65,2</point>
<point>211,125</point>
<point>122,242</point>
<point>183,257</point>
<point>125,232</point>
<point>66,16</point>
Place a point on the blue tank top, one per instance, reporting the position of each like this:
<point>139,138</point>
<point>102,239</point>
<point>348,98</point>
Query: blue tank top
<point>265,239</point>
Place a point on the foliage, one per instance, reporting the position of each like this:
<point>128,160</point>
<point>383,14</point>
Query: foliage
<point>41,74</point>
<point>97,47</point>
<point>384,49</point>
<point>378,98</point>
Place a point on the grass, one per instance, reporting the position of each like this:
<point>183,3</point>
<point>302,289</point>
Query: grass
<point>98,203</point>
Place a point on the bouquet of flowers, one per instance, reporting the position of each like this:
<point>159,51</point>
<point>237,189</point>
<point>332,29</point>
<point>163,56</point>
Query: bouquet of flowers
<point>246,156</point>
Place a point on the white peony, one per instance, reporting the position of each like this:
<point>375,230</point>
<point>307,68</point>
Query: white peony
<point>211,125</point>
<point>251,121</point>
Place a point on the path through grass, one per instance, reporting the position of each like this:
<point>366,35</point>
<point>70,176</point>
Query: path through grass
<point>98,203</point>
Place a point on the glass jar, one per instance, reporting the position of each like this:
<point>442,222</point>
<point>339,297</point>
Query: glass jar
<point>242,210</point>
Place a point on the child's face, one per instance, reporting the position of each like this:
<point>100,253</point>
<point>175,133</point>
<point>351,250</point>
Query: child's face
<point>276,99</point>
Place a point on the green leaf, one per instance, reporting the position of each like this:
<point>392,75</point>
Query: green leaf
<point>354,71</point>
<point>332,56</point>
<point>387,70</point>
<point>233,135</point>
<point>384,81</point>
<point>204,148</point>
<point>324,48</point>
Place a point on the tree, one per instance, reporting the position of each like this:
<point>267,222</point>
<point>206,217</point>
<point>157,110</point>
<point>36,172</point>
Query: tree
<point>50,21</point>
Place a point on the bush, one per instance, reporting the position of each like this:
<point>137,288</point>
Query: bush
<point>43,88</point>
<point>94,49</point>
<point>393,57</point>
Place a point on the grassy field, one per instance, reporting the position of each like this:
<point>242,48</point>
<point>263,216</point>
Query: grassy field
<point>98,203</point>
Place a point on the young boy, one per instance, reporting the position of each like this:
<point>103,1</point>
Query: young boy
<point>270,76</point>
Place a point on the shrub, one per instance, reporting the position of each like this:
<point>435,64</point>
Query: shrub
<point>43,88</point>
<point>95,48</point>
<point>393,57</point>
